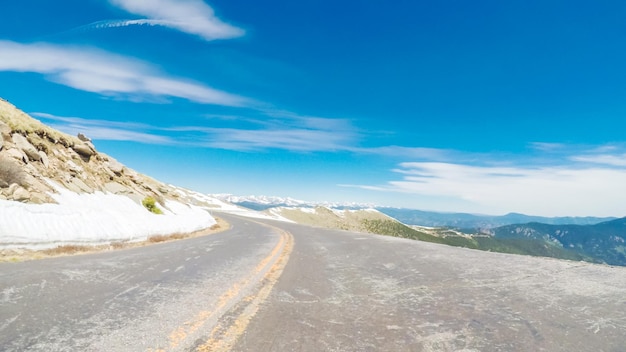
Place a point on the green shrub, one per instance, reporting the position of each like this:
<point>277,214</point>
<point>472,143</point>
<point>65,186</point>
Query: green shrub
<point>150,204</point>
<point>396,229</point>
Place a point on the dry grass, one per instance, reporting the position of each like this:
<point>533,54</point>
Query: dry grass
<point>166,238</point>
<point>118,245</point>
<point>65,250</point>
<point>325,218</point>
<point>19,121</point>
<point>20,255</point>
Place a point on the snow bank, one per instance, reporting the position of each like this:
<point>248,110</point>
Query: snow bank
<point>92,218</point>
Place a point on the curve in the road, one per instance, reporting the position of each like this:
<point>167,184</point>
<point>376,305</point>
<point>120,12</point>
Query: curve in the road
<point>233,310</point>
<point>166,297</point>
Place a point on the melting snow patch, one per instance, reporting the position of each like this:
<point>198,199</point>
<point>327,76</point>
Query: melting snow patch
<point>92,218</point>
<point>339,213</point>
<point>307,210</point>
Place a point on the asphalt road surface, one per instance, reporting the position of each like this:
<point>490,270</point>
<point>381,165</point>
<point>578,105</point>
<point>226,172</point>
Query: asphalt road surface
<point>286,287</point>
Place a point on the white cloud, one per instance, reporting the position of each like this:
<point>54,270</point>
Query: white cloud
<point>105,130</point>
<point>590,184</point>
<point>189,16</point>
<point>106,73</point>
<point>313,122</point>
<point>282,130</point>
<point>547,147</point>
<point>301,140</point>
<point>413,152</point>
<point>115,134</point>
<point>606,159</point>
<point>277,134</point>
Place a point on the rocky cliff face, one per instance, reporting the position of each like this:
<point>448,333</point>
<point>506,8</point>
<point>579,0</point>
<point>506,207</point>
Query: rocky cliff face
<point>32,153</point>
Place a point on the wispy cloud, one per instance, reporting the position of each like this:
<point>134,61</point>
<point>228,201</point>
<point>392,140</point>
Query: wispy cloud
<point>106,73</point>
<point>547,147</point>
<point>277,130</point>
<point>420,153</point>
<point>106,130</point>
<point>189,16</point>
<point>570,186</point>
<point>295,133</point>
<point>618,160</point>
<point>300,140</point>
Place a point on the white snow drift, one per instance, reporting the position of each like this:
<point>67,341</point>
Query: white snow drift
<point>92,218</point>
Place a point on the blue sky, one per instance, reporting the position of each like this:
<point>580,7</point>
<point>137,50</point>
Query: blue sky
<point>474,106</point>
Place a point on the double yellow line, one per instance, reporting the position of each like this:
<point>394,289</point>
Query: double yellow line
<point>236,315</point>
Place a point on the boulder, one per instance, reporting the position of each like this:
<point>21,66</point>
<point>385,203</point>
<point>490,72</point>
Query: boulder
<point>77,185</point>
<point>23,144</point>
<point>136,197</point>
<point>83,138</point>
<point>84,149</point>
<point>73,168</point>
<point>116,188</point>
<point>17,154</point>
<point>115,166</point>
<point>1,142</point>
<point>10,172</point>
<point>36,185</point>
<point>18,193</point>
<point>39,198</point>
<point>44,159</point>
<point>73,187</point>
<point>132,175</point>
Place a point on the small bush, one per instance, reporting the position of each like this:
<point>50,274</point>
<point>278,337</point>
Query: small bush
<point>150,204</point>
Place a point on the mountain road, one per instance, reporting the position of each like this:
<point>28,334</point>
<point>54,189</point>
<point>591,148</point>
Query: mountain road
<point>265,285</point>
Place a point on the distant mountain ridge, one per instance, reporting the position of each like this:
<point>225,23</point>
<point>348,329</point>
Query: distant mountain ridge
<point>575,238</point>
<point>471,221</point>
<point>261,203</point>
<point>605,241</point>
<point>373,221</point>
<point>412,216</point>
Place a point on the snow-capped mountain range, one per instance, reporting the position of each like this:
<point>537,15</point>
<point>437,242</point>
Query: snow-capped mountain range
<point>266,202</point>
<point>408,216</point>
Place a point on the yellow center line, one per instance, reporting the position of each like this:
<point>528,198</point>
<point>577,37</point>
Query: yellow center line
<point>223,338</point>
<point>269,265</point>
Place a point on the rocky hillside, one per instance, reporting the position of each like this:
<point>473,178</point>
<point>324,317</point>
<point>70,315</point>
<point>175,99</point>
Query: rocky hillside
<point>57,189</point>
<point>31,152</point>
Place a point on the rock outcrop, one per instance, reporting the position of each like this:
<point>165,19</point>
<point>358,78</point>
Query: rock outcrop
<point>32,153</point>
<point>24,145</point>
